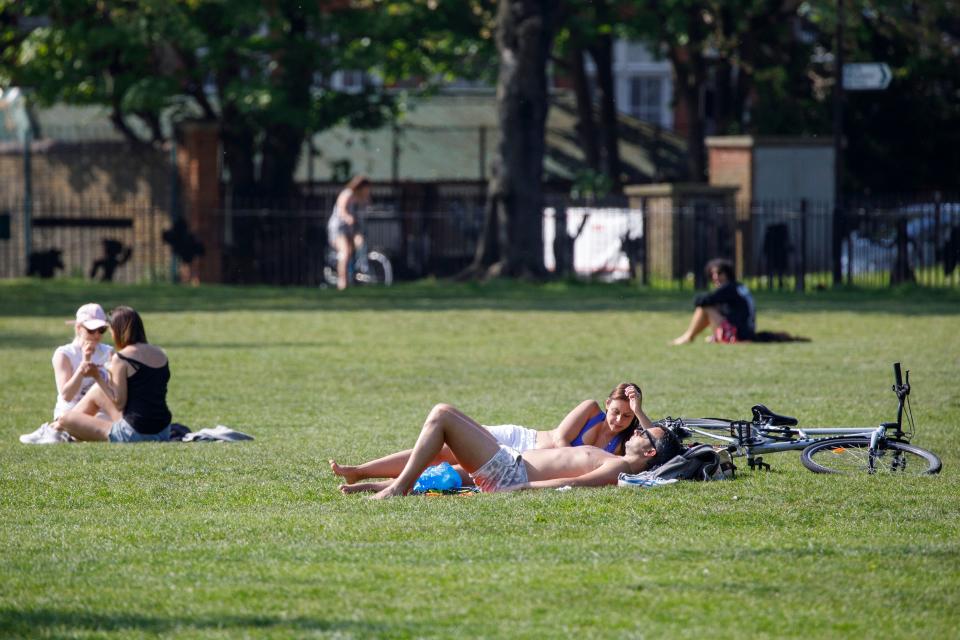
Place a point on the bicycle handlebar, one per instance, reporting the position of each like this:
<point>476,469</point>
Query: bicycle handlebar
<point>896,374</point>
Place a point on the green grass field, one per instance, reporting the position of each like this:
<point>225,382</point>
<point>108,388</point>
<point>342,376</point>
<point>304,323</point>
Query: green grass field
<point>254,540</point>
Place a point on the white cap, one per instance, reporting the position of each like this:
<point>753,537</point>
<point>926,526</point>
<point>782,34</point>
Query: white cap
<point>91,316</point>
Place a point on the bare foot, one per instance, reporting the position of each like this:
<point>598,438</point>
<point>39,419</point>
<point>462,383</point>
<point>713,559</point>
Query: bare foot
<point>681,340</point>
<point>347,473</point>
<point>392,491</point>
<point>361,487</point>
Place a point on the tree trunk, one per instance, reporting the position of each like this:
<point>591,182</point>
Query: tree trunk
<point>512,240</point>
<point>281,143</point>
<point>689,69</point>
<point>602,53</point>
<point>586,128</point>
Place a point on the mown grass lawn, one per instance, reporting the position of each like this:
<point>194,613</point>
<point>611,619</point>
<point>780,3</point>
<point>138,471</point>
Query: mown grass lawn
<point>254,540</point>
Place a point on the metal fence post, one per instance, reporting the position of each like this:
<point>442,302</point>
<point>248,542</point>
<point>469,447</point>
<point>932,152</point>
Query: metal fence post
<point>645,213</point>
<point>801,284</point>
<point>27,197</point>
<point>174,206</point>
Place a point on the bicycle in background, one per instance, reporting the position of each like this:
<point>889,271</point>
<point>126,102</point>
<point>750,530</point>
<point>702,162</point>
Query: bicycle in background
<point>367,267</point>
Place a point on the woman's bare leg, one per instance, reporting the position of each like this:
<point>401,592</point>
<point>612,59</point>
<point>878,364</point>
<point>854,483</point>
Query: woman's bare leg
<point>365,486</point>
<point>702,318</point>
<point>84,427</point>
<point>470,443</point>
<point>386,467</point>
<point>81,421</point>
<point>344,256</point>
<point>95,401</point>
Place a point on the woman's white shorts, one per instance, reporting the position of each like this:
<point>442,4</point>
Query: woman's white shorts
<point>514,436</point>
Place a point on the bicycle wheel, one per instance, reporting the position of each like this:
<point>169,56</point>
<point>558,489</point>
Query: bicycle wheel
<point>852,455</point>
<point>379,269</point>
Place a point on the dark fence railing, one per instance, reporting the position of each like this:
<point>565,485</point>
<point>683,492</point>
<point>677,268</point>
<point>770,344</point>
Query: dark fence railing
<point>99,241</point>
<point>785,245</point>
<point>434,229</point>
<point>85,208</point>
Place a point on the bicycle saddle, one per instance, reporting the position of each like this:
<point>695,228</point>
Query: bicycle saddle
<point>762,414</point>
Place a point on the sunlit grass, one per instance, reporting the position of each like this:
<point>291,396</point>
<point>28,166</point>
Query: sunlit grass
<point>253,539</point>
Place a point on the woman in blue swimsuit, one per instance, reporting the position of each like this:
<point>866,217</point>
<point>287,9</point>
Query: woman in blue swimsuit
<point>606,427</point>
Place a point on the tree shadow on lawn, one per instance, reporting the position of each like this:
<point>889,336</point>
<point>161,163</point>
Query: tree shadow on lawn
<point>60,298</point>
<point>51,622</point>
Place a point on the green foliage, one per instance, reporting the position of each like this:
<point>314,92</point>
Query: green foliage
<point>254,540</point>
<point>772,65</point>
<point>589,184</point>
<point>262,70</point>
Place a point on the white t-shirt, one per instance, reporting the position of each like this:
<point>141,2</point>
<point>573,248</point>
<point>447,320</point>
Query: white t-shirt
<point>74,352</point>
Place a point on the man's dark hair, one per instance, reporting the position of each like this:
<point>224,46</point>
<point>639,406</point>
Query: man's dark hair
<point>667,446</point>
<point>721,265</point>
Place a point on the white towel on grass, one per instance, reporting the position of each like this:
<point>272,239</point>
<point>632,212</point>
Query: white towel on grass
<point>218,433</point>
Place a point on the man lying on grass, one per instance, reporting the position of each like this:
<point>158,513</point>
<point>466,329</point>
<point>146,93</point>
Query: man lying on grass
<point>496,467</point>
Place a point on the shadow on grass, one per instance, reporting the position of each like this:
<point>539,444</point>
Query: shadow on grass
<point>24,340</point>
<point>50,622</point>
<point>61,297</point>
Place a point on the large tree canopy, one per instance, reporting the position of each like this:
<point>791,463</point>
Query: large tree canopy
<point>770,67</point>
<point>263,71</point>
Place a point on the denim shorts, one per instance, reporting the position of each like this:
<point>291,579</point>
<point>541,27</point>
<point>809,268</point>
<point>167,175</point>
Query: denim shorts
<point>121,431</point>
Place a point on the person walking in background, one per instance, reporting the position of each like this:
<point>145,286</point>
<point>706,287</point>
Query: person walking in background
<point>74,365</point>
<point>344,231</point>
<point>134,396</point>
<point>729,308</point>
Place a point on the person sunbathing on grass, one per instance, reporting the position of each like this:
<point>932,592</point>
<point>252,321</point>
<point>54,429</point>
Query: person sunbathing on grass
<point>496,467</point>
<point>585,424</point>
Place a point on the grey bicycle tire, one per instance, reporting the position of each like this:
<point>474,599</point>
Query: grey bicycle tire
<point>380,268</point>
<point>851,455</point>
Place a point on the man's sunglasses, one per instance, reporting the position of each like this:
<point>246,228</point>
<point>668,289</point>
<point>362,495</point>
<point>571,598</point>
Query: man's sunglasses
<point>653,445</point>
<point>101,330</point>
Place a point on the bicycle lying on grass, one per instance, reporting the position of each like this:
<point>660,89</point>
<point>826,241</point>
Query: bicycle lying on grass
<point>882,449</point>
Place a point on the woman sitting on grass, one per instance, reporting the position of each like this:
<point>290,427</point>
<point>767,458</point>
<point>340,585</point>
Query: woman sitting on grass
<point>586,424</point>
<point>135,396</point>
<point>73,367</point>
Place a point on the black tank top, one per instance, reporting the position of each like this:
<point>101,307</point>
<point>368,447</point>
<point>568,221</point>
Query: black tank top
<point>146,410</point>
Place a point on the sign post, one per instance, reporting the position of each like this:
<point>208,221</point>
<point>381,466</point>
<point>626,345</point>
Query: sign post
<point>866,76</point>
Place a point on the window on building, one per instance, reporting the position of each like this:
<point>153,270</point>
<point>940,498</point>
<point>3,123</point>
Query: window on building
<point>646,99</point>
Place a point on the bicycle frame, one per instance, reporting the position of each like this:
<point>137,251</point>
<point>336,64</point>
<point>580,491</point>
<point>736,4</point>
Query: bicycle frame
<point>787,439</point>
<point>753,438</point>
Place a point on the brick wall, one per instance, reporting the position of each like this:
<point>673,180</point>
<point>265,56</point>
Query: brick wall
<point>731,167</point>
<point>111,183</point>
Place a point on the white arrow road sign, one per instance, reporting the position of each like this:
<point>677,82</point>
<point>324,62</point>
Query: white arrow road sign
<point>866,76</point>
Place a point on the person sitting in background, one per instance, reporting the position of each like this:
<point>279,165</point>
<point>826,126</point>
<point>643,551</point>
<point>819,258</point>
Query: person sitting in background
<point>135,395</point>
<point>73,368</point>
<point>729,308</point>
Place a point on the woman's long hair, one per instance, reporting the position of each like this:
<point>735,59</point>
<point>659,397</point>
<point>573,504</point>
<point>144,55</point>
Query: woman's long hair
<point>127,327</point>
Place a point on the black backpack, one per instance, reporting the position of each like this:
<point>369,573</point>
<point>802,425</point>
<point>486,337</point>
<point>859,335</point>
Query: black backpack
<point>698,462</point>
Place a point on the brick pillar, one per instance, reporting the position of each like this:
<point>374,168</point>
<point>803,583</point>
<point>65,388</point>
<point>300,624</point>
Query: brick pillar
<point>670,213</point>
<point>198,166</point>
<point>730,163</point>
